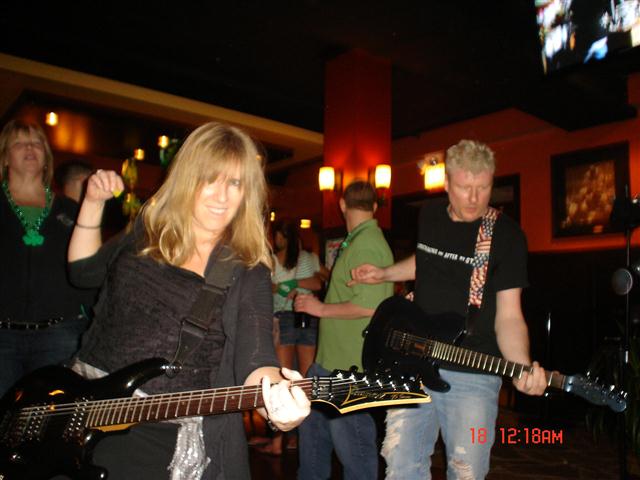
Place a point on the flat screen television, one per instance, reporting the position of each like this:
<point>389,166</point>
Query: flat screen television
<point>580,31</point>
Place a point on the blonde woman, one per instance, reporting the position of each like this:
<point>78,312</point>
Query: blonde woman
<point>214,195</point>
<point>41,313</point>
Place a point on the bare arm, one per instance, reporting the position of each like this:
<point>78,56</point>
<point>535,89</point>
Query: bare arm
<point>398,272</point>
<point>344,310</point>
<point>86,238</point>
<point>323,274</point>
<point>310,283</point>
<point>513,340</point>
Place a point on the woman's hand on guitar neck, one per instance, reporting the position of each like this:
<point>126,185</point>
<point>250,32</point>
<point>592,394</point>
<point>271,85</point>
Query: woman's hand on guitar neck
<point>286,406</point>
<point>533,383</point>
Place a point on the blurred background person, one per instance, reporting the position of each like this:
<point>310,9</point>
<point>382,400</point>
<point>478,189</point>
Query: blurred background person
<point>70,178</point>
<point>295,333</point>
<point>41,315</point>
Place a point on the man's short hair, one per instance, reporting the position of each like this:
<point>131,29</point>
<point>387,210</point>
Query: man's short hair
<point>360,195</point>
<point>65,172</point>
<point>471,156</point>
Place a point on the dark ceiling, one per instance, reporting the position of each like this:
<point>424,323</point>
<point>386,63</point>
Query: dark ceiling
<point>452,60</point>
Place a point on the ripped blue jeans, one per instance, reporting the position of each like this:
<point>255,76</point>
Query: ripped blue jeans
<point>472,403</point>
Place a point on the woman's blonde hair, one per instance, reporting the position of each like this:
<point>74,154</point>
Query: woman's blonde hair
<point>9,132</point>
<point>211,150</point>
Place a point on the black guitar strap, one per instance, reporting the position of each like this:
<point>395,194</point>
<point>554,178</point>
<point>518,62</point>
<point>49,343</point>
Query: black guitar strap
<point>207,308</point>
<point>480,265</point>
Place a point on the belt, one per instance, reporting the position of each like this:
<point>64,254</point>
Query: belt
<point>10,325</point>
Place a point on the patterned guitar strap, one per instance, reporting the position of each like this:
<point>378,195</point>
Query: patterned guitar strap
<point>480,264</point>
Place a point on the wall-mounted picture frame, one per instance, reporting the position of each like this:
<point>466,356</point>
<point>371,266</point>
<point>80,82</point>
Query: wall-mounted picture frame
<point>584,184</point>
<point>505,195</point>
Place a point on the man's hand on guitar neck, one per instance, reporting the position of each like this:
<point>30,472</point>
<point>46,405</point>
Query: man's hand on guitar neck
<point>533,383</point>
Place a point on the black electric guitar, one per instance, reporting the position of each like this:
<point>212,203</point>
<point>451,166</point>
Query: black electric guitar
<point>51,420</point>
<point>400,339</point>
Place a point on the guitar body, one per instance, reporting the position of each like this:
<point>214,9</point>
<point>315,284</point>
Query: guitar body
<point>52,419</point>
<point>58,444</point>
<point>398,313</point>
<point>401,339</point>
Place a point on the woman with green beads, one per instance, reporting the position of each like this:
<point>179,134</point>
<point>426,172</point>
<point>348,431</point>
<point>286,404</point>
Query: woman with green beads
<point>42,316</point>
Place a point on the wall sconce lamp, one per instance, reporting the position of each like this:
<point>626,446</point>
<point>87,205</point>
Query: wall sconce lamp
<point>380,177</point>
<point>138,154</point>
<point>329,179</point>
<point>163,141</point>
<point>433,171</point>
<point>305,223</point>
<point>51,119</point>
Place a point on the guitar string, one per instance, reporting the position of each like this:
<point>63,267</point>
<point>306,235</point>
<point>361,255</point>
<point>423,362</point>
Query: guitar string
<point>132,406</point>
<point>460,350</point>
<point>227,391</point>
<point>217,396</point>
<point>555,379</point>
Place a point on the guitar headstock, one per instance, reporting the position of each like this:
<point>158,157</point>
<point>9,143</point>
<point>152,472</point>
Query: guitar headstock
<point>595,393</point>
<point>349,390</point>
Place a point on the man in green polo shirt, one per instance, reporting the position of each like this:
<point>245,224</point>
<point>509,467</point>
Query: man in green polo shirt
<point>345,313</point>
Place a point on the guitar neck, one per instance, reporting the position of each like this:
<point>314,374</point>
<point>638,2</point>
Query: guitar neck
<point>152,408</point>
<point>455,355</point>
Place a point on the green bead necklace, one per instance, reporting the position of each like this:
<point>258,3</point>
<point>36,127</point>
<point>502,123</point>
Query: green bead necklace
<point>32,236</point>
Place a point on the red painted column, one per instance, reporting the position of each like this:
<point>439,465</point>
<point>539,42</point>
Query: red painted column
<point>357,125</point>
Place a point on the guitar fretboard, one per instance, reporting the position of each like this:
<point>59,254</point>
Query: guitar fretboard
<point>152,408</point>
<point>426,348</point>
<point>337,390</point>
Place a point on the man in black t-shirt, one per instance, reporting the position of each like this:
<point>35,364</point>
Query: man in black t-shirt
<point>457,270</point>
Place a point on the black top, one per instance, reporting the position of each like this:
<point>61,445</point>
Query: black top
<point>33,280</point>
<point>138,316</point>
<point>443,269</point>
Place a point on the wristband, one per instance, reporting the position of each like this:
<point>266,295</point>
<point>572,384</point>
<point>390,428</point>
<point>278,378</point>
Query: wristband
<point>284,288</point>
<point>90,227</point>
<point>273,428</point>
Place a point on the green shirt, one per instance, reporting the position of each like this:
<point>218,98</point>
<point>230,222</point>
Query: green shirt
<point>340,341</point>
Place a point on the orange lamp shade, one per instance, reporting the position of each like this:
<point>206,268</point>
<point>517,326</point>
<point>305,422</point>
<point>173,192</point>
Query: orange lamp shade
<point>326,178</point>
<point>51,119</point>
<point>383,176</point>
<point>163,141</point>
<point>434,176</point>
<point>138,154</point>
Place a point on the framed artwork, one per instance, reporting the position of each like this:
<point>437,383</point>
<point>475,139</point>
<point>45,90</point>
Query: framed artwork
<point>505,195</point>
<point>583,186</point>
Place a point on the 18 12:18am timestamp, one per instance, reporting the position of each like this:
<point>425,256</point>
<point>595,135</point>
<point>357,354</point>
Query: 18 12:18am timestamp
<point>519,436</point>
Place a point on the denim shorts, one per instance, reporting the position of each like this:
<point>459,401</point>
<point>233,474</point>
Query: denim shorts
<point>292,335</point>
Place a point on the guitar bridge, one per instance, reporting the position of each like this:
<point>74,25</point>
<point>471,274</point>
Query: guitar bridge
<point>75,427</point>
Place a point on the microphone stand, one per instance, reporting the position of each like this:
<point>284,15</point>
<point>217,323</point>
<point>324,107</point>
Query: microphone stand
<point>626,212</point>
<point>623,360</point>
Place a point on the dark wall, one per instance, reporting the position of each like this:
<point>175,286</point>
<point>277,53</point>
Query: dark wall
<point>574,291</point>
